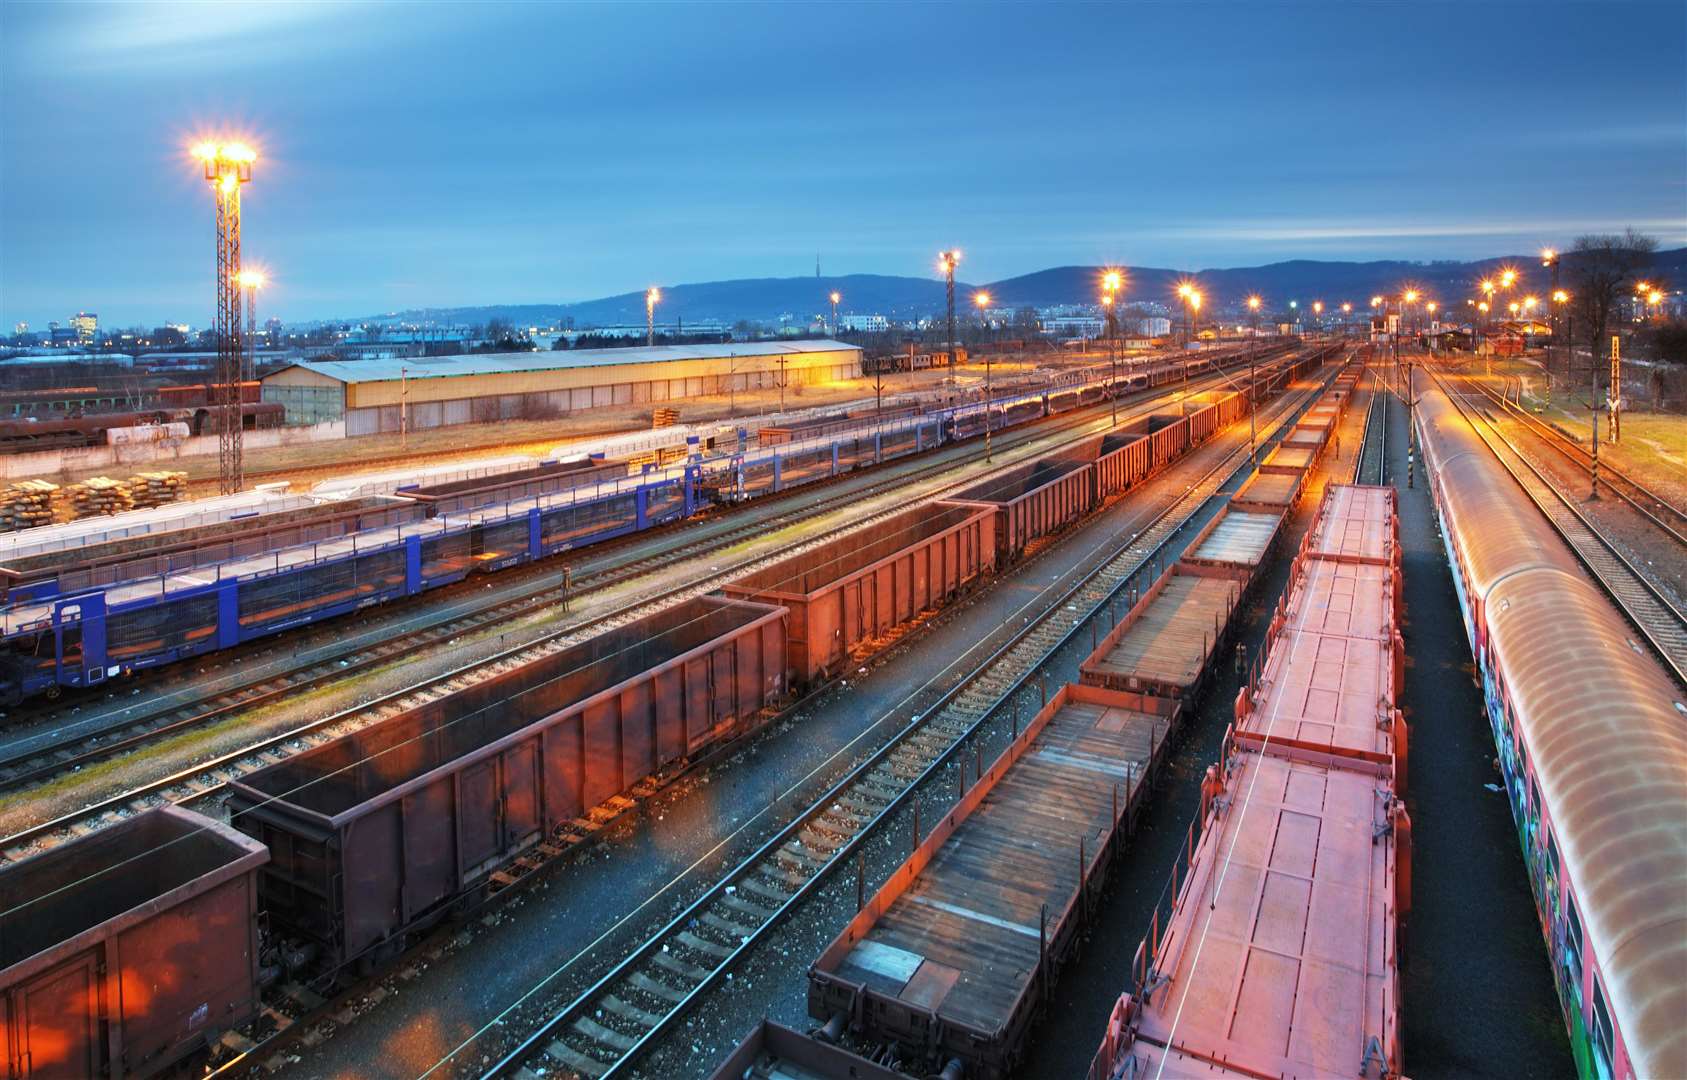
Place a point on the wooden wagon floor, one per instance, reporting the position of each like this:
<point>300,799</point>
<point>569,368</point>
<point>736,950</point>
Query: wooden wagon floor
<point>964,938</point>
<point>1169,643</point>
<point>1240,538</point>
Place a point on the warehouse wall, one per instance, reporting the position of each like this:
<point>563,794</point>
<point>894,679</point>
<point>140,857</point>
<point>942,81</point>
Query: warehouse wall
<point>371,419</point>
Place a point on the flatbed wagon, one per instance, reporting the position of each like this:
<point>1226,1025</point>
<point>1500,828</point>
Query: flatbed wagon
<point>950,959</point>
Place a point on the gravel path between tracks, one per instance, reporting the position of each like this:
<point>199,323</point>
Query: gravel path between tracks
<point>582,898</point>
<point>70,793</point>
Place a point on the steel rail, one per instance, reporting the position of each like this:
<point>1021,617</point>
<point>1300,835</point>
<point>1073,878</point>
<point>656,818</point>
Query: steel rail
<point>1635,494</point>
<point>880,785</point>
<point>1648,609</point>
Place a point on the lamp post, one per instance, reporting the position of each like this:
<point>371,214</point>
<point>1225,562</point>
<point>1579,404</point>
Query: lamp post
<point>836,296</point>
<point>1111,283</point>
<point>982,301</point>
<point>1253,386</point>
<point>226,168</point>
<point>1549,259</point>
<point>651,297</point>
<point>946,262</point>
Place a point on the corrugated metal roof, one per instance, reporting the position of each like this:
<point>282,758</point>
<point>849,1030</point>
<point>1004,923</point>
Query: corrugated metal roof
<point>436,367</point>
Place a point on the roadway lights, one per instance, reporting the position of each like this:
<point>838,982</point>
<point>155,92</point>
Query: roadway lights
<point>1253,303</point>
<point>835,297</point>
<point>1508,278</point>
<point>652,297</point>
<point>1560,297</point>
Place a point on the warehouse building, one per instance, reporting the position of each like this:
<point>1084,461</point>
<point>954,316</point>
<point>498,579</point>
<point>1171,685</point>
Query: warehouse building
<point>373,396</point>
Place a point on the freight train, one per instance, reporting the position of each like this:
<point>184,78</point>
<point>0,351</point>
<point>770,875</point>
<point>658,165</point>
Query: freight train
<point>1591,737</point>
<point>52,637</point>
<point>340,854</point>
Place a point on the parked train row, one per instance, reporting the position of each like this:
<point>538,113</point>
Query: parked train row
<point>943,969</point>
<point>24,435</point>
<point>73,637</point>
<point>339,854</point>
<point>1591,736</point>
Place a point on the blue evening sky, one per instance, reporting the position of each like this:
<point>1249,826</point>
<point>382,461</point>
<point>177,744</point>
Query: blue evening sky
<point>443,154</point>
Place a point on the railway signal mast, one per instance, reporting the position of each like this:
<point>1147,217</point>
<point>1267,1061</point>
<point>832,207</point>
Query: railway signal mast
<point>228,166</point>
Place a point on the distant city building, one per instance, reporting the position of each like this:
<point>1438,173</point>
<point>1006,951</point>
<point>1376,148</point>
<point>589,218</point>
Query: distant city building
<point>639,330</point>
<point>865,324</point>
<point>87,326</point>
<point>1153,326</point>
<point>20,329</point>
<point>1072,326</point>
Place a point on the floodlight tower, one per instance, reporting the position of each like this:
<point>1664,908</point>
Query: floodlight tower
<point>251,281</point>
<point>227,167</point>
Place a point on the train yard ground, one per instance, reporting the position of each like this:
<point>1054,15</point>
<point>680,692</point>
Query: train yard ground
<point>1478,996</point>
<point>582,917</point>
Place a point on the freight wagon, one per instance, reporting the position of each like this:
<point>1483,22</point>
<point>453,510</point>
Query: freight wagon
<point>378,833</point>
<point>1301,848</point>
<point>95,562</point>
<point>126,950</point>
<point>23,436</point>
<point>953,956</point>
<point>1031,501</point>
<point>851,592</point>
<point>475,493</point>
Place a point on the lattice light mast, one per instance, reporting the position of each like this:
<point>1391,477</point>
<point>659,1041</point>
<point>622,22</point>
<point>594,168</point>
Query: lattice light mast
<point>227,167</point>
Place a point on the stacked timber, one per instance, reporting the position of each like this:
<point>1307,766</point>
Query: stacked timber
<point>157,488</point>
<point>26,504</point>
<point>664,417</point>
<point>99,495</point>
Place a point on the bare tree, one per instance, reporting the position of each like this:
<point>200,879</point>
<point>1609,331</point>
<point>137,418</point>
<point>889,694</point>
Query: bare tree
<point>1603,267</point>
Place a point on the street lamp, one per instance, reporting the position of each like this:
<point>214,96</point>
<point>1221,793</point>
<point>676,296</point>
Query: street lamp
<point>1191,298</point>
<point>1112,283</point>
<point>946,262</point>
<point>1253,387</point>
<point>836,296</point>
<point>651,297</point>
<point>251,281</point>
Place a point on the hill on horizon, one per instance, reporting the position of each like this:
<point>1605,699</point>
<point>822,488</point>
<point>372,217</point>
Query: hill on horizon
<point>768,299</point>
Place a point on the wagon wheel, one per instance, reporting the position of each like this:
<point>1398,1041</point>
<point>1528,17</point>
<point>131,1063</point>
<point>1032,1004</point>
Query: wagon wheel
<point>54,691</point>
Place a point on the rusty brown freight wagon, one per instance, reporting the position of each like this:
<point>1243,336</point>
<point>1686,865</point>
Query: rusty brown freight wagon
<point>474,492</point>
<point>1270,492</point>
<point>127,950</point>
<point>377,833</point>
<point>1031,501</point>
<point>851,591</point>
<point>1164,643</point>
<point>954,955</point>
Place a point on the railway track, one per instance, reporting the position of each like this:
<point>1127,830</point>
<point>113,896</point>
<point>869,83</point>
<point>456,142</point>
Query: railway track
<point>1669,518</point>
<point>83,748</point>
<point>1373,448</point>
<point>1648,608</point>
<point>606,1028</point>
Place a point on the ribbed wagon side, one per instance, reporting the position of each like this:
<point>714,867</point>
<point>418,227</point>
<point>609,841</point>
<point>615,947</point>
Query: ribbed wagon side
<point>125,951</point>
<point>377,833</point>
<point>849,592</point>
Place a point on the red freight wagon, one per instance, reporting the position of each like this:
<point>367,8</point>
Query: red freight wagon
<point>378,832</point>
<point>1236,540</point>
<point>1163,643</point>
<point>1032,500</point>
<point>844,594</point>
<point>128,949</point>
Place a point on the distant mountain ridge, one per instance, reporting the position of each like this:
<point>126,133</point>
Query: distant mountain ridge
<point>767,299</point>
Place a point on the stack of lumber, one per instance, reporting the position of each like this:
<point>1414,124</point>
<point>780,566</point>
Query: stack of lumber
<point>99,495</point>
<point>26,504</point>
<point>157,488</point>
<point>664,417</point>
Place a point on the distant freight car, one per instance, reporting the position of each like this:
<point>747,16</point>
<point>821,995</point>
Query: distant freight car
<point>1032,501</point>
<point>125,951</point>
<point>861,586</point>
<point>378,833</point>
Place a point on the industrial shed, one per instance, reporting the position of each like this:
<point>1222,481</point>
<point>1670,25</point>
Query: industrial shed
<point>374,396</point>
